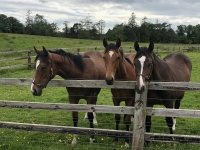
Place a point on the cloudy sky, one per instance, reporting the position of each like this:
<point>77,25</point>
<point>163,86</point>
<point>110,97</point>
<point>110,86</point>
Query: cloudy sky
<point>175,12</point>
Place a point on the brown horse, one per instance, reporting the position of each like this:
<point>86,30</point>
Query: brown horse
<point>173,68</point>
<point>119,67</point>
<point>70,66</point>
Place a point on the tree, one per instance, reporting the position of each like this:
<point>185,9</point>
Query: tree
<point>75,30</point>
<point>144,30</point>
<point>14,25</point>
<point>116,32</point>
<point>100,26</point>
<point>131,22</point>
<point>29,18</point>
<point>3,23</point>
<point>181,33</point>
<point>86,23</point>
<point>66,29</point>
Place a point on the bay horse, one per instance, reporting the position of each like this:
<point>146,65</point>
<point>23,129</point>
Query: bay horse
<point>175,67</point>
<point>89,66</point>
<point>119,67</point>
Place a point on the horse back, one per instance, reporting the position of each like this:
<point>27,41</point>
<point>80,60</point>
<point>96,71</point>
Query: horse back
<point>95,63</point>
<point>180,65</point>
<point>130,56</point>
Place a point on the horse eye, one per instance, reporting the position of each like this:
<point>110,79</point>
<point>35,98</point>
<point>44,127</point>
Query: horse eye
<point>104,58</point>
<point>150,64</point>
<point>118,57</point>
<point>43,68</point>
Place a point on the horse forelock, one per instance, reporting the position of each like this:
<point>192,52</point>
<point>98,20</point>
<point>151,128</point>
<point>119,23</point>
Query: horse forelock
<point>42,56</point>
<point>145,51</point>
<point>111,46</point>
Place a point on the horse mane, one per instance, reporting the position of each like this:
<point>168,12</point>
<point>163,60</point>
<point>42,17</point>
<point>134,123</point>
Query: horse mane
<point>122,54</point>
<point>76,59</point>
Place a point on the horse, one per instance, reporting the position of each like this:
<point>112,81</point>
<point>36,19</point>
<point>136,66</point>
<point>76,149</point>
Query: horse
<point>89,66</point>
<point>119,67</point>
<point>174,67</point>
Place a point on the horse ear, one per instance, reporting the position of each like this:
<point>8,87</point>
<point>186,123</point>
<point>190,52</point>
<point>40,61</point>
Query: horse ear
<point>118,43</point>
<point>37,51</point>
<point>45,51</point>
<point>136,46</point>
<point>151,46</point>
<point>105,43</point>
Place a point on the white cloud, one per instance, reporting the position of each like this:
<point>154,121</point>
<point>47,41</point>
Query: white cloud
<point>111,11</point>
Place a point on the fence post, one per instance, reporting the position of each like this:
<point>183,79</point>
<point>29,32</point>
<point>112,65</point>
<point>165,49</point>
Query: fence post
<point>29,60</point>
<point>139,120</point>
<point>130,50</point>
<point>95,48</point>
<point>78,51</point>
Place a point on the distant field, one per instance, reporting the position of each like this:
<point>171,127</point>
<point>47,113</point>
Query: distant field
<point>13,42</point>
<point>27,140</point>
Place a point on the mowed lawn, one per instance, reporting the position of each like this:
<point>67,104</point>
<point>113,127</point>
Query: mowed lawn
<point>25,140</point>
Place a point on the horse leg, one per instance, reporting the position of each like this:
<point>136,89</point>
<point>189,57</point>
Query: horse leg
<point>90,118</point>
<point>169,121</point>
<point>75,121</point>
<point>176,106</point>
<point>127,122</point>
<point>117,118</point>
<point>128,119</point>
<point>74,100</point>
<point>148,127</point>
<point>92,99</point>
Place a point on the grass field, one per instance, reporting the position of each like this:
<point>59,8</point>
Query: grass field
<point>31,140</point>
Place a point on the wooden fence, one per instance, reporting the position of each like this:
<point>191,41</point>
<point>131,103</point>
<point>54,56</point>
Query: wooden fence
<point>31,54</point>
<point>138,134</point>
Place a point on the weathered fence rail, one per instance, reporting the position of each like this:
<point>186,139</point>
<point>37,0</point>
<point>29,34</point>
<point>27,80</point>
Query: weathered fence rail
<point>181,86</point>
<point>104,109</point>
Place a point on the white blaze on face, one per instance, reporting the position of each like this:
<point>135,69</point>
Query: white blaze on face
<point>111,53</point>
<point>37,64</point>
<point>142,60</point>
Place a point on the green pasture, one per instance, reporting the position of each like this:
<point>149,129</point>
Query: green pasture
<point>31,140</point>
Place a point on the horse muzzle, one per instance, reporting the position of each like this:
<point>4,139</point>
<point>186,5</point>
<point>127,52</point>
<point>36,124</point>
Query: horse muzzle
<point>109,80</point>
<point>139,90</point>
<point>37,92</point>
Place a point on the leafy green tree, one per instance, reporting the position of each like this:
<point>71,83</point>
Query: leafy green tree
<point>144,30</point>
<point>3,23</point>
<point>75,30</point>
<point>181,33</point>
<point>116,32</point>
<point>14,25</point>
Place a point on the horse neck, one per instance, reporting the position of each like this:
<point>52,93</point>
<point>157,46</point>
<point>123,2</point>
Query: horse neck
<point>159,67</point>
<point>66,68</point>
<point>125,70</point>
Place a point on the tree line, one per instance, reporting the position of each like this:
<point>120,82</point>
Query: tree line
<point>86,29</point>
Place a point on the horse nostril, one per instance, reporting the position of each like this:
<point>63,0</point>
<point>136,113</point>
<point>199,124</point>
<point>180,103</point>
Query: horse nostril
<point>109,81</point>
<point>34,92</point>
<point>139,90</point>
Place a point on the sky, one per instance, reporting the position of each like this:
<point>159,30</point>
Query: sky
<point>174,12</point>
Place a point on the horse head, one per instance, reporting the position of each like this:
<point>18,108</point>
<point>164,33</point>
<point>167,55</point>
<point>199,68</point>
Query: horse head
<point>43,71</point>
<point>143,63</point>
<point>111,57</point>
